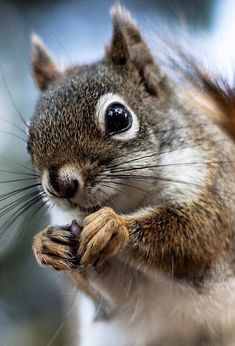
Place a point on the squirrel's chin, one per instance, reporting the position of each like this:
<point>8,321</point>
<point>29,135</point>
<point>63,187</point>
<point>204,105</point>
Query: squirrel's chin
<point>68,205</point>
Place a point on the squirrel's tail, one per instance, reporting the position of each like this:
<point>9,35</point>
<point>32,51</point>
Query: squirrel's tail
<point>217,91</point>
<point>210,91</point>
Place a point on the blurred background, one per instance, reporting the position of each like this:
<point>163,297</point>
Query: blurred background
<point>36,303</point>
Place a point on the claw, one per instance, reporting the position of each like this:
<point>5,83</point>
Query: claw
<point>57,247</point>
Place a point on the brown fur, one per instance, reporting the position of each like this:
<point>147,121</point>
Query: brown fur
<point>185,239</point>
<point>44,69</point>
<point>194,216</point>
<point>212,93</point>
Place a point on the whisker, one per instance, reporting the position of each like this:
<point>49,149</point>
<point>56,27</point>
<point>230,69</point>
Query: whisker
<point>23,166</point>
<point>162,131</point>
<point>111,187</point>
<point>63,47</point>
<point>10,96</point>
<point>171,164</point>
<point>14,135</point>
<point>38,206</point>
<point>19,173</point>
<point>7,195</point>
<point>16,180</point>
<point>12,205</point>
<point>51,207</point>
<point>157,154</point>
<point>111,197</point>
<point>153,155</point>
<point>6,225</point>
<point>172,129</point>
<point>100,204</point>
<point>137,188</point>
<point>107,196</point>
<point>10,222</point>
<point>36,211</point>
<point>125,184</point>
<point>211,189</point>
<point>13,124</point>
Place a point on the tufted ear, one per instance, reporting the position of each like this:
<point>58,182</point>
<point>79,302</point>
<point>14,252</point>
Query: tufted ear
<point>128,49</point>
<point>44,69</point>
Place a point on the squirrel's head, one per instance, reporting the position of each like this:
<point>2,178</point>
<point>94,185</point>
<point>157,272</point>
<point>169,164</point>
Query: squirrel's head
<point>93,121</point>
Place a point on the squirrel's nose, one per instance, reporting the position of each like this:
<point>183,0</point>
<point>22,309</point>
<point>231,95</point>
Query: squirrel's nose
<point>64,188</point>
<point>70,188</point>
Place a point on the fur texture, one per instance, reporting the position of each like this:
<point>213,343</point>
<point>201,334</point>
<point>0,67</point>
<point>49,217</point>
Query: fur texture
<point>156,210</point>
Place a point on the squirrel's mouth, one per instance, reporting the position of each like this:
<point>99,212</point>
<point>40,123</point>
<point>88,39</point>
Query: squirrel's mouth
<point>74,205</point>
<point>90,209</point>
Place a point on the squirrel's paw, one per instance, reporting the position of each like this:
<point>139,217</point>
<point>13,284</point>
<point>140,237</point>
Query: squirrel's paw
<point>103,235</point>
<point>57,247</point>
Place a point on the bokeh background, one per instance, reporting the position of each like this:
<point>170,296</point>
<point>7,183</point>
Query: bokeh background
<point>36,304</point>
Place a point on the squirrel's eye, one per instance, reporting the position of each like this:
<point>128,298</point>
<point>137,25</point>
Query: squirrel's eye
<point>117,119</point>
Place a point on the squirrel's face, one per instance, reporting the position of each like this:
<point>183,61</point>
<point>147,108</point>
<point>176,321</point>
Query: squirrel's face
<point>93,121</point>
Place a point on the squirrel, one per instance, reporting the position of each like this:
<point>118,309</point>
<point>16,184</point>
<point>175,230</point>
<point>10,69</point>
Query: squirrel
<point>146,171</point>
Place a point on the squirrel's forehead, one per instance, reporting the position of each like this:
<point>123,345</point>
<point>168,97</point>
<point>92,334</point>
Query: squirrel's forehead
<point>75,97</point>
<point>78,89</point>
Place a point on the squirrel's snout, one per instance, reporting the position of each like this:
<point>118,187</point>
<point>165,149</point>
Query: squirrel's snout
<point>66,189</point>
<point>63,186</point>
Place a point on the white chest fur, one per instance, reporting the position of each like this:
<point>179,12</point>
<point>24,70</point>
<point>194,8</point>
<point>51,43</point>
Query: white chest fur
<point>162,312</point>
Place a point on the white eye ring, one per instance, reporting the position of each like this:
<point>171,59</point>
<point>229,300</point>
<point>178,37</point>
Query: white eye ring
<point>102,105</point>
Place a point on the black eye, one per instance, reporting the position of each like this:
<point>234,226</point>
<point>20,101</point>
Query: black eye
<point>117,119</point>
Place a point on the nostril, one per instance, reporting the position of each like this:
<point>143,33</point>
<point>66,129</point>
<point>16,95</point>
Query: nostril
<point>62,185</point>
<point>71,188</point>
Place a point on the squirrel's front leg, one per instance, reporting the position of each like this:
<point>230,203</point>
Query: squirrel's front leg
<point>187,237</point>
<point>184,238</point>
<point>57,247</point>
<point>66,248</point>
<point>103,235</point>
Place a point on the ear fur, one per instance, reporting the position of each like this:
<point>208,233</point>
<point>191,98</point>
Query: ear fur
<point>44,69</point>
<point>130,50</point>
<point>118,52</point>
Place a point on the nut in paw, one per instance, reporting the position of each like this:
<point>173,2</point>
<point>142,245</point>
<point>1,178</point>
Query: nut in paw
<point>103,235</point>
<point>57,247</point>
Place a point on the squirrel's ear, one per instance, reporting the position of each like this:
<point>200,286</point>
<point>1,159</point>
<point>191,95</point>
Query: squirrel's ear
<point>129,49</point>
<point>118,51</point>
<point>44,69</point>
